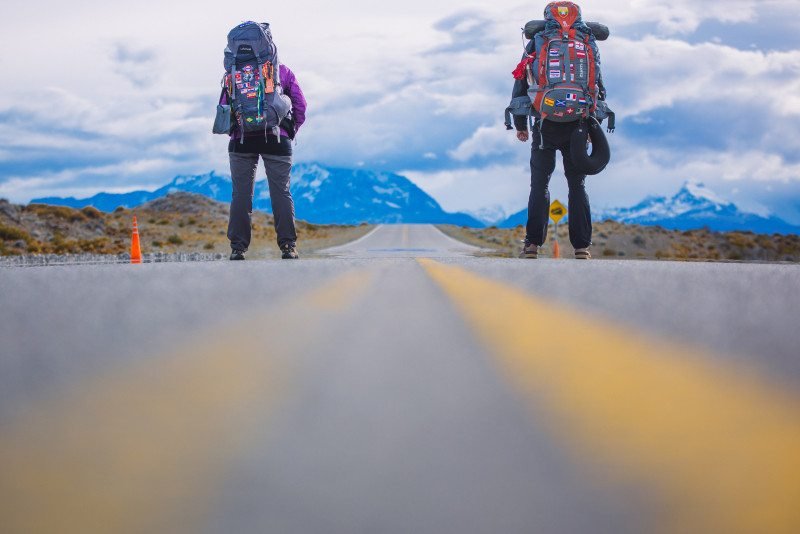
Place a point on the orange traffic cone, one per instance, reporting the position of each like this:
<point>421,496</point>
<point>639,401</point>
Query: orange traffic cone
<point>136,251</point>
<point>556,250</point>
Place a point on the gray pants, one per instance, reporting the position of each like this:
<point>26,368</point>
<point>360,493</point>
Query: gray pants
<point>243,175</point>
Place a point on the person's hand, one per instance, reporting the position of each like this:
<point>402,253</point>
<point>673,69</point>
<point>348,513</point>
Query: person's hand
<point>522,136</point>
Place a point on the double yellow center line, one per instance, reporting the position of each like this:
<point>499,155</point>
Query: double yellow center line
<point>138,450</point>
<point>721,447</point>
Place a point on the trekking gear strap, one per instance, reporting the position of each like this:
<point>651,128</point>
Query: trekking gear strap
<point>538,125</point>
<point>612,121</point>
<point>239,122</point>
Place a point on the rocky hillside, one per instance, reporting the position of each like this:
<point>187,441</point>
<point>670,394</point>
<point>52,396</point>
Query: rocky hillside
<point>186,222</point>
<point>613,240</point>
<point>178,222</point>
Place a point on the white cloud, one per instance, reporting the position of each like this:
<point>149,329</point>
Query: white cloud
<point>506,186</point>
<point>656,72</point>
<point>388,89</point>
<point>683,16</point>
<point>746,166</point>
<point>136,64</point>
<point>486,141</point>
<point>86,181</point>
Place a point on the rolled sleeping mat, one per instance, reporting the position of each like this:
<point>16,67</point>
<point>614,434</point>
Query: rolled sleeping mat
<point>597,161</point>
<point>600,31</point>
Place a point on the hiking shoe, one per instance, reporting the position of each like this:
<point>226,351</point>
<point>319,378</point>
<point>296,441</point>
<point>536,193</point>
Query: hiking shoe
<point>582,254</point>
<point>529,251</point>
<point>237,255</point>
<point>289,252</point>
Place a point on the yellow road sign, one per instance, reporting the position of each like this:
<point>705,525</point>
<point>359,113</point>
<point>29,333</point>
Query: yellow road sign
<point>557,211</point>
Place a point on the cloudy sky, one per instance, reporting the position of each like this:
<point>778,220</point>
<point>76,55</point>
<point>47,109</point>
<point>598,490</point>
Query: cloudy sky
<point>104,95</point>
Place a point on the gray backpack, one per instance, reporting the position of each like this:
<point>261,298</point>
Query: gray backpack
<point>253,81</point>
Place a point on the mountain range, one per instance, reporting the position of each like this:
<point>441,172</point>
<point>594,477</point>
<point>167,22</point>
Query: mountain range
<point>694,206</point>
<point>327,195</point>
<point>322,195</point>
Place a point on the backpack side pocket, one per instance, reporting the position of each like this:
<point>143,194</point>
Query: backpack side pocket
<point>222,122</point>
<point>520,106</point>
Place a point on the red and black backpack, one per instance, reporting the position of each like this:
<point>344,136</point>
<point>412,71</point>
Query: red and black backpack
<point>563,75</point>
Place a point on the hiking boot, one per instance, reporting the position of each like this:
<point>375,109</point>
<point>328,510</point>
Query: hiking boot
<point>289,252</point>
<point>237,255</point>
<point>529,251</point>
<point>582,254</point>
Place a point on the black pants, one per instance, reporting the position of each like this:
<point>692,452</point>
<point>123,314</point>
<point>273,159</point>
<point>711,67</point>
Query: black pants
<point>556,136</point>
<point>243,176</point>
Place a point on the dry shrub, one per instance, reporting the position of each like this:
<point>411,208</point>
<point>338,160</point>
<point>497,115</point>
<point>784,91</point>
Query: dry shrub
<point>92,213</point>
<point>56,212</point>
<point>741,239</point>
<point>9,233</point>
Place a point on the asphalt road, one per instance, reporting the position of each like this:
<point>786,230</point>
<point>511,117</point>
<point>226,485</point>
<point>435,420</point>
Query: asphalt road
<point>400,384</point>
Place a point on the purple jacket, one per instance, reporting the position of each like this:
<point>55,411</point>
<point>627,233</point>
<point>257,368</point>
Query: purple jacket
<point>291,89</point>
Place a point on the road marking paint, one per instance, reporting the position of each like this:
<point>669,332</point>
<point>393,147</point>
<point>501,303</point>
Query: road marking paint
<point>141,449</point>
<point>341,293</point>
<point>458,244</point>
<point>721,447</point>
<point>351,243</point>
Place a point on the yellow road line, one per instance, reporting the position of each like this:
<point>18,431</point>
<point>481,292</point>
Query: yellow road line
<point>142,449</point>
<point>721,447</point>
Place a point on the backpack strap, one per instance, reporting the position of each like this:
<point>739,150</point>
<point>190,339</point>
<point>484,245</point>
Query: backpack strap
<point>233,73</point>
<point>590,60</point>
<point>233,98</point>
<point>268,77</point>
<point>566,53</point>
<point>538,123</point>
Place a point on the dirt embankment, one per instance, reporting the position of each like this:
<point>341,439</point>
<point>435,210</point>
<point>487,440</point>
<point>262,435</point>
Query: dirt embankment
<point>180,222</point>
<point>615,241</point>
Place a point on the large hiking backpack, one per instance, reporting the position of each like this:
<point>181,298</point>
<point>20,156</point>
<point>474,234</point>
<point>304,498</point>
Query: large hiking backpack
<point>253,81</point>
<point>541,35</point>
<point>564,74</point>
<point>561,65</point>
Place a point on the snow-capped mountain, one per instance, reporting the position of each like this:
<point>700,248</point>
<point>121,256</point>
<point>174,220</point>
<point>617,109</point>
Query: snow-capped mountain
<point>694,206</point>
<point>350,196</point>
<point>490,215</point>
<point>322,195</point>
<point>693,198</point>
